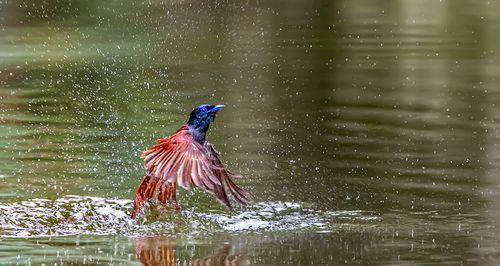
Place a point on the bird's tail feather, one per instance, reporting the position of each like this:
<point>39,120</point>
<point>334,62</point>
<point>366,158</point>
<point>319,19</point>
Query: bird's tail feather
<point>150,184</point>
<point>144,192</point>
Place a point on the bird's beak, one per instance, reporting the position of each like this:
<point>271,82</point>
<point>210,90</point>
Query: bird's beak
<point>217,107</point>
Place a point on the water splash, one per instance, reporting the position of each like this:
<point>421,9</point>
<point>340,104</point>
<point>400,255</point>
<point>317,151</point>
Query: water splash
<point>286,216</point>
<point>77,215</point>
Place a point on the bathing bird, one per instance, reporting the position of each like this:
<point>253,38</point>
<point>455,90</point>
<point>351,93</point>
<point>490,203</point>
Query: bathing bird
<point>188,160</point>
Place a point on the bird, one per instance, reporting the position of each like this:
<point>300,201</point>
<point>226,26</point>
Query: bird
<point>188,160</point>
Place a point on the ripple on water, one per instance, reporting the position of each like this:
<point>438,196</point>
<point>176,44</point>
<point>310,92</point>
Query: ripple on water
<point>82,215</point>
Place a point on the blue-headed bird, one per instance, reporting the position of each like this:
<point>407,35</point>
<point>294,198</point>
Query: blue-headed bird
<point>187,159</point>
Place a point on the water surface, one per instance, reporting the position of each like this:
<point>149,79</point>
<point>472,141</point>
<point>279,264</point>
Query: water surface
<point>367,131</point>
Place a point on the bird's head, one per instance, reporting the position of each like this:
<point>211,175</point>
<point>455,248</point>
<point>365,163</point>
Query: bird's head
<point>202,116</point>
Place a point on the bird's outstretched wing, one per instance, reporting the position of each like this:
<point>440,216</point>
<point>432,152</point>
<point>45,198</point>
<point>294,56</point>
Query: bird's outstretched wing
<point>181,159</point>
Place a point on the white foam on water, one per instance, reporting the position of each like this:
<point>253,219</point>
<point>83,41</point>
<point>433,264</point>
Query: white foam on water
<point>83,215</point>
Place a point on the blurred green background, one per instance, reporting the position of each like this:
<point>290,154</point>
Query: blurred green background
<point>367,131</point>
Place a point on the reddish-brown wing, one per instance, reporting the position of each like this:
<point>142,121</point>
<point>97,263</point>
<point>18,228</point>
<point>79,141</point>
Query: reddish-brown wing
<point>181,159</point>
<point>239,194</point>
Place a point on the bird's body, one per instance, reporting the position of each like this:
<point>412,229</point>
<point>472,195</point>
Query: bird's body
<point>186,159</point>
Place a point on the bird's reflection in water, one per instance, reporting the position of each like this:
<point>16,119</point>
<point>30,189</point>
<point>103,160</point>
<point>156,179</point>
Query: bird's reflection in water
<point>162,251</point>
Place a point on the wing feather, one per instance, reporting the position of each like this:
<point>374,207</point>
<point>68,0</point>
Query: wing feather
<point>186,174</point>
<point>204,178</point>
<point>181,159</point>
<point>194,174</point>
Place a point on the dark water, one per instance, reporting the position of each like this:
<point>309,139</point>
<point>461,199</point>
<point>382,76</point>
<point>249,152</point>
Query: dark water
<point>367,131</point>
